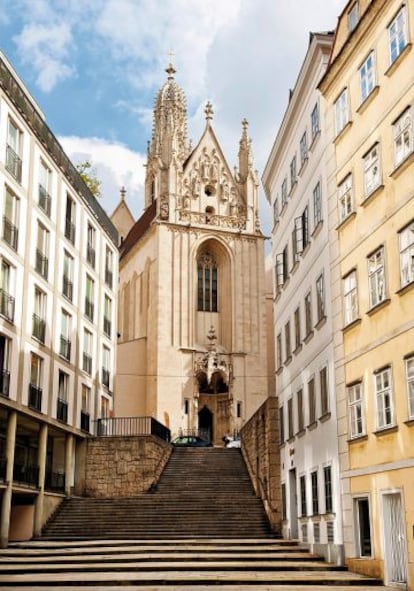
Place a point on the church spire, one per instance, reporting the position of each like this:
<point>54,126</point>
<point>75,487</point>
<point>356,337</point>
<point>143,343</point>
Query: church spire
<point>245,152</point>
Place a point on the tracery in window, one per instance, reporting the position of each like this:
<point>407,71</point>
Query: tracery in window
<point>207,283</point>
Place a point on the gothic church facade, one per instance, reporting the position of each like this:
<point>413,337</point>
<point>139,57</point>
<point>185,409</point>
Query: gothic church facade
<point>192,323</point>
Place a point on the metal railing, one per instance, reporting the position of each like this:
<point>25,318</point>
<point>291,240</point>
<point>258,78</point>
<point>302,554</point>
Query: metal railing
<point>7,305</point>
<point>90,255</point>
<point>89,309</point>
<point>108,278</point>
<point>84,421</point>
<point>67,287</point>
<point>26,474</point>
<point>55,481</point>
<point>65,347</point>
<point>10,233</point>
<point>107,325</point>
<point>45,200</point>
<point>70,230</point>
<point>62,410</point>
<point>87,363</point>
<point>39,328</point>
<point>35,397</point>
<point>106,377</point>
<point>4,382</point>
<point>42,264</point>
<point>13,163</point>
<point>130,426</point>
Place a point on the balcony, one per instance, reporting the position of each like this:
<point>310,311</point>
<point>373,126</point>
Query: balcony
<point>107,326</point>
<point>67,288</point>
<point>4,383</point>
<point>90,255</point>
<point>10,233</point>
<point>89,309</point>
<point>26,474</point>
<point>45,201</point>
<point>108,278</point>
<point>62,410</point>
<point>6,305</point>
<point>87,363</point>
<point>55,481</point>
<point>13,163</point>
<point>84,421</point>
<point>70,231</point>
<point>65,347</point>
<point>106,377</point>
<point>35,397</point>
<point>42,264</point>
<point>39,328</point>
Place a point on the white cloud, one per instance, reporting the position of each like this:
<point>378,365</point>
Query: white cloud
<point>116,166</point>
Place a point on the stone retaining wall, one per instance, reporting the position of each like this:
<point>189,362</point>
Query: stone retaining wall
<point>260,447</point>
<point>123,466</point>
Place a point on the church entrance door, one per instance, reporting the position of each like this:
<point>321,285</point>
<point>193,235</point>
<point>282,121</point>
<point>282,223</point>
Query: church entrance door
<point>205,423</point>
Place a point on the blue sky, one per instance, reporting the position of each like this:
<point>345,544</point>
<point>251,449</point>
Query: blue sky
<point>95,66</point>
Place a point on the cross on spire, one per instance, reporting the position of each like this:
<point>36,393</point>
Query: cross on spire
<point>170,69</point>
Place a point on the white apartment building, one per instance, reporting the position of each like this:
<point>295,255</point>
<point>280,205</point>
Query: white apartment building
<point>58,305</point>
<point>295,182</point>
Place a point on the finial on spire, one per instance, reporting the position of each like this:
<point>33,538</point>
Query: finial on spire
<point>123,193</point>
<point>245,125</point>
<point>170,69</point>
<point>209,111</point>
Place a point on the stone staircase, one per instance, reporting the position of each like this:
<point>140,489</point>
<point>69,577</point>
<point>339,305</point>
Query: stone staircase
<point>202,493</point>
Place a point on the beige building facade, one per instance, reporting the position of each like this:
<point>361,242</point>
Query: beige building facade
<point>369,89</point>
<point>192,321</point>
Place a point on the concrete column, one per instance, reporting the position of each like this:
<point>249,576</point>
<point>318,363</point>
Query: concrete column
<point>41,459</point>
<point>68,462</point>
<point>7,495</point>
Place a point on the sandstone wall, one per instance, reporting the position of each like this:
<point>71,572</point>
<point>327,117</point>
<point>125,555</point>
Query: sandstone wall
<point>123,466</point>
<point>260,447</point>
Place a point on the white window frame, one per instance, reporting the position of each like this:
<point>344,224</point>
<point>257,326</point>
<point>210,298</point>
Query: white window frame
<point>376,277</point>
<point>320,297</point>
<point>317,204</point>
<point>409,376</point>
<point>398,34</point>
<point>303,145</point>
<point>284,192</point>
<point>315,121</point>
<point>293,172</point>
<point>406,242</point>
<point>367,76</point>
<point>356,415</point>
<point>276,211</point>
<point>403,136</point>
<point>372,170</point>
<point>341,111</point>
<point>345,198</point>
<point>350,289</point>
<point>384,398</point>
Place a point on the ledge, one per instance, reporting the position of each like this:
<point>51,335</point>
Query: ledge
<point>314,140</point>
<point>305,250</point>
<point>378,306</point>
<point>292,189</point>
<point>386,430</point>
<point>308,337</point>
<point>302,432</point>
<point>288,360</point>
<point>312,426</point>
<point>409,159</point>
<point>303,166</point>
<point>371,195</point>
<point>325,417</point>
<point>317,229</point>
<point>409,422</point>
<point>346,220</point>
<point>405,288</point>
<point>351,325</point>
<point>368,100</point>
<point>279,370</point>
<point>339,136</point>
<point>358,438</point>
<point>291,439</point>
<point>297,350</point>
<point>391,69</point>
<point>294,267</point>
<point>320,322</point>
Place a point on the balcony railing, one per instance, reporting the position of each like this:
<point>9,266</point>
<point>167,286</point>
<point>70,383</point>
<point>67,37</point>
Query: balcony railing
<point>35,397</point>
<point>65,347</point>
<point>39,328</point>
<point>67,287</point>
<point>4,383</point>
<point>84,421</point>
<point>45,201</point>
<point>108,278</point>
<point>42,263</point>
<point>106,377</point>
<point>26,474</point>
<point>70,230</point>
<point>62,410</point>
<point>90,255</point>
<point>131,426</point>
<point>89,309</point>
<point>10,233</point>
<point>107,326</point>
<point>55,481</point>
<point>13,163</point>
<point>87,363</point>
<point>7,305</point>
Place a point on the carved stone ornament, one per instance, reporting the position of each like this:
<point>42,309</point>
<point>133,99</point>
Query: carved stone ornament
<point>213,361</point>
<point>164,208</point>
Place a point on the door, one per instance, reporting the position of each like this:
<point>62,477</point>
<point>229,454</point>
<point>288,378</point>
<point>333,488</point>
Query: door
<point>205,424</point>
<point>395,550</point>
<point>363,526</point>
<point>293,504</point>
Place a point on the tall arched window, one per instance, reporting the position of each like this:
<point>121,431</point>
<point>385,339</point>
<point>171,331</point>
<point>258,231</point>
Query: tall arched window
<point>207,283</point>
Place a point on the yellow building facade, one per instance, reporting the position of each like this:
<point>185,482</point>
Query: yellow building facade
<point>369,88</point>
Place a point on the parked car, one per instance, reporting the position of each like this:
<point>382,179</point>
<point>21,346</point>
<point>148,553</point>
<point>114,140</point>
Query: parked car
<point>190,441</point>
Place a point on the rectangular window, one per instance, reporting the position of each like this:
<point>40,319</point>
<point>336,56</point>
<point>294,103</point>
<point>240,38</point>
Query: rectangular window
<point>104,407</point>
<point>376,277</point>
<point>276,211</point>
<point>5,354</point>
<point>398,34</point>
<point>65,335</point>
<point>350,298</point>
<point>279,351</point>
<point>281,425</point>
<point>11,219</point>
<point>293,172</point>
<point>315,125</point>
<point>67,279</point>
<point>39,315</point>
<point>315,496</point>
<point>406,239</point>
<point>7,290</point>
<point>35,385</point>
<point>312,401</point>
<point>363,526</point>
<point>303,502</point>
<point>356,411</point>
<point>345,198</point>
<point>281,268</point>
<point>303,149</point>
<point>87,351</point>
<point>320,297</point>
<point>327,477</point>
<point>89,297</point>
<point>367,76</point>
<point>409,373</point>
<point>372,170</point>
<point>297,328</point>
<point>70,219</point>
<point>403,136</point>
<point>324,393</point>
<point>301,418</point>
<point>90,245</point>
<point>106,364</point>
<point>14,151</point>
<point>85,408</point>
<point>107,321</point>
<point>341,111</point>
<point>317,204</point>
<point>290,418</point>
<point>287,341</point>
<point>353,17</point>
<point>284,193</point>
<point>45,185</point>
<point>383,396</point>
<point>63,397</point>
<point>308,313</point>
<point>42,251</point>
<point>109,267</point>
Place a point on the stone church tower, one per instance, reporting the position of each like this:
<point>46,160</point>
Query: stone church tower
<point>192,324</point>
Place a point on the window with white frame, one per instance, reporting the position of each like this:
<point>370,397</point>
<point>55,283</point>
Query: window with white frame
<point>345,198</point>
<point>327,477</point>
<point>324,393</point>
<point>403,136</point>
<point>406,239</point>
<point>70,219</point>
<point>39,315</point>
<point>315,495</point>
<point>315,123</point>
<point>367,76</point>
<point>301,416</point>
<point>353,16</point>
<point>350,298</point>
<point>14,149</point>
<point>341,111</point>
<point>107,319</point>
<point>293,172</point>
<point>383,396</point>
<point>281,268</point>
<point>287,341</point>
<point>11,219</point>
<point>89,297</point>
<point>372,170</point>
<point>85,399</point>
<point>303,145</point>
<point>106,365</point>
<point>7,290</point>
<point>398,34</point>
<point>290,419</point>
<point>45,187</point>
<point>409,373</point>
<point>109,266</point>
<point>5,356</point>
<point>87,351</point>
<point>376,277</point>
<point>67,277</point>
<point>90,245</point>
<point>63,386</point>
<point>42,251</point>
<point>65,335</point>
<point>317,204</point>
<point>312,401</point>
<point>303,503</point>
<point>297,328</point>
<point>356,410</point>
<point>308,313</point>
<point>104,407</point>
<point>284,193</point>
<point>320,297</point>
<point>276,210</point>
